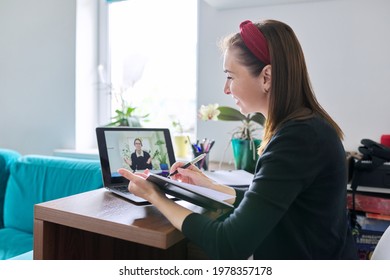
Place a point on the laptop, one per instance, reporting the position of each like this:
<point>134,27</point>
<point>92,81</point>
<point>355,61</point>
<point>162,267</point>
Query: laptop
<point>135,149</point>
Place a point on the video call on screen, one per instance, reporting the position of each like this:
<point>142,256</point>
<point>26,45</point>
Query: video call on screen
<point>122,145</point>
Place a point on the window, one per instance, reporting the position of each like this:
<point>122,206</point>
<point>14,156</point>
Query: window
<point>152,59</point>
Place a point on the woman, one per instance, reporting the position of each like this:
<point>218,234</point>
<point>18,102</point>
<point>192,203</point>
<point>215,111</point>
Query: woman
<point>140,159</point>
<point>296,205</point>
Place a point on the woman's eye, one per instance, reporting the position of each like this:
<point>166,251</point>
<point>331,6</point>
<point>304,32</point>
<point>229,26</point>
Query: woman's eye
<point>229,78</point>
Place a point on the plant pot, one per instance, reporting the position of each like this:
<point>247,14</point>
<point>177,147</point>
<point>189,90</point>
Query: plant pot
<point>181,146</point>
<point>245,153</point>
<point>164,166</point>
<point>134,121</point>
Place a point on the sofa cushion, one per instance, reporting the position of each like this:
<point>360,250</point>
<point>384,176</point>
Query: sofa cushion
<point>6,158</point>
<point>14,242</point>
<point>28,256</point>
<point>35,179</point>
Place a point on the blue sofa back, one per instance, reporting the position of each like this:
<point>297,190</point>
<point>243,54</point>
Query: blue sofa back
<point>35,179</point>
<point>6,158</point>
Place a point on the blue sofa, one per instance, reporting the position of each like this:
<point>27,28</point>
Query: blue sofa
<point>6,158</point>
<point>31,179</point>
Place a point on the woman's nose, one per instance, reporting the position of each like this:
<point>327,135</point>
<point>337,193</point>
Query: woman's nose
<point>226,89</point>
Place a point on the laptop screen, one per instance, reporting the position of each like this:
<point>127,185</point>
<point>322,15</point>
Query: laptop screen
<point>135,149</point>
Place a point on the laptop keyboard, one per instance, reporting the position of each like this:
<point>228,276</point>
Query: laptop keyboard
<point>123,189</point>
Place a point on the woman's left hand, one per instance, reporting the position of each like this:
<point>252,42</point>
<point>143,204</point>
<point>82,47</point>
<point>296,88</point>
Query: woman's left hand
<point>141,187</point>
<point>175,213</point>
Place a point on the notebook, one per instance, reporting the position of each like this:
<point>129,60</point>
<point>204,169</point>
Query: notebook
<point>201,196</point>
<point>233,178</point>
<point>135,149</point>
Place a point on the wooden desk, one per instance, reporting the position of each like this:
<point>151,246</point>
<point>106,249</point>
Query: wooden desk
<point>99,225</point>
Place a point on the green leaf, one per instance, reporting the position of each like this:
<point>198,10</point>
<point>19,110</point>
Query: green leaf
<point>230,114</point>
<point>115,123</point>
<point>119,113</point>
<point>159,142</point>
<point>129,111</point>
<point>259,118</point>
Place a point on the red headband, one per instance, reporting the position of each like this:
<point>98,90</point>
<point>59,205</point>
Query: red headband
<point>255,41</point>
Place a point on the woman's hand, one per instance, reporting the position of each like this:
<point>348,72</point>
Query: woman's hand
<point>175,213</point>
<point>141,187</point>
<point>190,175</point>
<point>128,161</point>
<point>193,175</point>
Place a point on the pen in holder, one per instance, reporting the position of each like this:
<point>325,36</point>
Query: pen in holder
<point>203,164</point>
<point>202,147</point>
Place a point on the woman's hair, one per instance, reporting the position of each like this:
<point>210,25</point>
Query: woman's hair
<point>291,94</point>
<point>138,139</point>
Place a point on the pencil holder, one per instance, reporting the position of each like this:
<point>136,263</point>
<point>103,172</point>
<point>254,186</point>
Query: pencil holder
<point>203,164</point>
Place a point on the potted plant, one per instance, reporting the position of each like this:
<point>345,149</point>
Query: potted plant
<point>243,140</point>
<point>160,155</point>
<point>181,140</point>
<point>125,115</point>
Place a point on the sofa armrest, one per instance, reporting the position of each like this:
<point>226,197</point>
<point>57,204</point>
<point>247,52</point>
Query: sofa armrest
<point>6,158</point>
<point>35,179</point>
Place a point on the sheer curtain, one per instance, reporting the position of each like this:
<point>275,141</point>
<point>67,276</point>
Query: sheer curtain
<point>152,59</point>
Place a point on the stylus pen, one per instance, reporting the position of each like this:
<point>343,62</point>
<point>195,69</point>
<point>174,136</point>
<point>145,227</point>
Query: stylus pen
<point>195,160</point>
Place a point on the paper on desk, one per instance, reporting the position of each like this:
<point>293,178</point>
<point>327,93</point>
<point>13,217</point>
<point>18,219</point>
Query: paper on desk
<point>216,195</point>
<point>236,178</point>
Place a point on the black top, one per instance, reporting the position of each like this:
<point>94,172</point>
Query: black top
<point>140,162</point>
<point>295,207</point>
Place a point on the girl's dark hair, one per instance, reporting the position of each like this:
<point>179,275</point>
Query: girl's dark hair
<point>291,93</point>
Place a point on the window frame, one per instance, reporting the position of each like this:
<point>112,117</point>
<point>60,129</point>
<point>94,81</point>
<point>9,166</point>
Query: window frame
<point>105,111</point>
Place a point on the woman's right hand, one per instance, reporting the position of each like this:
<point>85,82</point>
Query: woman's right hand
<point>190,175</point>
<point>195,176</point>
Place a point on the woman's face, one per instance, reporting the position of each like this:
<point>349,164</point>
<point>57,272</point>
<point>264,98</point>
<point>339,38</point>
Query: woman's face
<point>249,92</point>
<point>137,145</point>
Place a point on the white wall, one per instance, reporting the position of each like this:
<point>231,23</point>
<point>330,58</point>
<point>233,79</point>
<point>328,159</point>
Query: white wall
<point>346,44</point>
<point>37,75</point>
<point>38,85</point>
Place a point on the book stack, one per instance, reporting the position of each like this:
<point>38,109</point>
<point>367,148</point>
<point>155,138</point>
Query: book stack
<point>371,204</point>
<point>368,237</point>
<point>372,211</point>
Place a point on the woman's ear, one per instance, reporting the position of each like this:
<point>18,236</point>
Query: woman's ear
<point>267,70</point>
